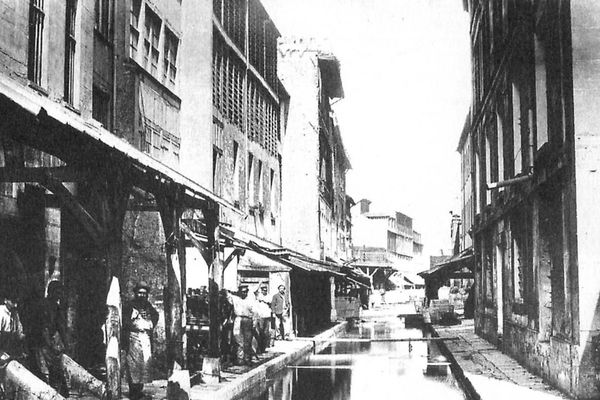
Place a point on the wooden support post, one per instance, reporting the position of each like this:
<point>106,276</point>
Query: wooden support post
<point>170,205</point>
<point>211,367</point>
<point>113,337</point>
<point>109,196</point>
<point>215,279</point>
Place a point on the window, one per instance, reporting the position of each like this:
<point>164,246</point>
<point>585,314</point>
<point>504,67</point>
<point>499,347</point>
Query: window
<point>101,106</point>
<point>36,30</point>
<point>261,192</point>
<point>103,23</point>
<point>488,268</point>
<point>500,137</point>
<point>70,43</point>
<point>250,179</point>
<point>391,242</point>
<point>236,172</point>
<point>151,38</point>
<point>541,93</point>
<point>217,157</point>
<point>170,57</point>
<point>517,155</point>
<point>272,192</point>
<point>134,32</point>
<point>517,269</point>
<point>217,161</point>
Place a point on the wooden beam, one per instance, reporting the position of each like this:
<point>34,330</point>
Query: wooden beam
<point>143,207</point>
<point>230,258</point>
<point>90,225</point>
<point>39,174</point>
<point>169,201</point>
<point>19,382</point>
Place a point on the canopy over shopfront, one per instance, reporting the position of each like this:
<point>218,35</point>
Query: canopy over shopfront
<point>108,171</point>
<point>459,266</point>
<point>256,252</point>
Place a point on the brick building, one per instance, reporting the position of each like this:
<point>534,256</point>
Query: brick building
<point>533,154</point>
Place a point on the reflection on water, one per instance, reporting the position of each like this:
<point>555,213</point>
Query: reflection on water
<point>364,370</point>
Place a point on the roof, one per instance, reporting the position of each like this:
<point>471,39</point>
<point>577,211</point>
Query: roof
<point>281,257</point>
<point>465,132</point>
<point>413,279</point>
<point>331,75</point>
<point>340,144</point>
<point>252,261</point>
<point>453,265</point>
<point>47,111</point>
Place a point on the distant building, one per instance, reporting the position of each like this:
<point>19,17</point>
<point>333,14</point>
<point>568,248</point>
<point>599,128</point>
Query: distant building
<point>385,243</point>
<point>531,153</point>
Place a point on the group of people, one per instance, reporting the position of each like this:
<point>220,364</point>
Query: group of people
<point>244,318</point>
<point>41,349</point>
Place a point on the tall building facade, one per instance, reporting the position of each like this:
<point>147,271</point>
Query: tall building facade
<point>315,206</point>
<point>315,213</point>
<point>90,150</point>
<point>233,117</point>
<point>534,133</point>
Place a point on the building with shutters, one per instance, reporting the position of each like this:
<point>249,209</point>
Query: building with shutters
<point>315,206</point>
<point>533,136</point>
<point>385,244</point>
<point>92,179</point>
<point>233,112</point>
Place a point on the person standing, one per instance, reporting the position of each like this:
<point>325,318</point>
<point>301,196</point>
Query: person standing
<point>139,320</point>
<point>11,330</point>
<point>242,325</point>
<point>226,319</point>
<point>280,305</point>
<point>263,318</point>
<point>54,335</point>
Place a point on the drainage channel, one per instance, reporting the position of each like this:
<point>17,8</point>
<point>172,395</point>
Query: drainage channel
<point>379,358</point>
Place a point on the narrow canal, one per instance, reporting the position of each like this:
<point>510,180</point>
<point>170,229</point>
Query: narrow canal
<point>365,370</point>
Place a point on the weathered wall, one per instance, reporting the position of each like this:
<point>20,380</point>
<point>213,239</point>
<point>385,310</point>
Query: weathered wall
<point>195,69</point>
<point>300,152</point>
<point>14,19</point>
<point>585,30</point>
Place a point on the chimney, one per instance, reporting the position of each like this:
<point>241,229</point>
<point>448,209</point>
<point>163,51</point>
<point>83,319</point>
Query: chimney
<point>364,206</point>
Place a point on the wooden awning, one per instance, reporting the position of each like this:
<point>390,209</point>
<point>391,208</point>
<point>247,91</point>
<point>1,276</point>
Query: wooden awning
<point>459,266</point>
<point>72,138</point>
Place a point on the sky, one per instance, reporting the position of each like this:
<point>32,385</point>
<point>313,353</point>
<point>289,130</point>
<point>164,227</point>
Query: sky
<point>405,68</point>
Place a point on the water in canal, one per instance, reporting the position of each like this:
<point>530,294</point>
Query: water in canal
<point>374,371</point>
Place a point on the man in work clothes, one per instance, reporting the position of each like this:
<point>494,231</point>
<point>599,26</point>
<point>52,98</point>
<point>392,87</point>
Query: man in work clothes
<point>262,318</point>
<point>226,318</point>
<point>54,330</point>
<point>11,330</point>
<point>280,306</point>
<point>243,308</point>
<point>139,320</point>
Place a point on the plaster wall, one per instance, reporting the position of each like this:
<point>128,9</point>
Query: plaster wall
<point>298,70</point>
<point>585,31</point>
<point>195,70</point>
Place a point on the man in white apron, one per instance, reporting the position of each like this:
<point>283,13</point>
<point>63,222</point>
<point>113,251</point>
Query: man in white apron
<point>139,320</point>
